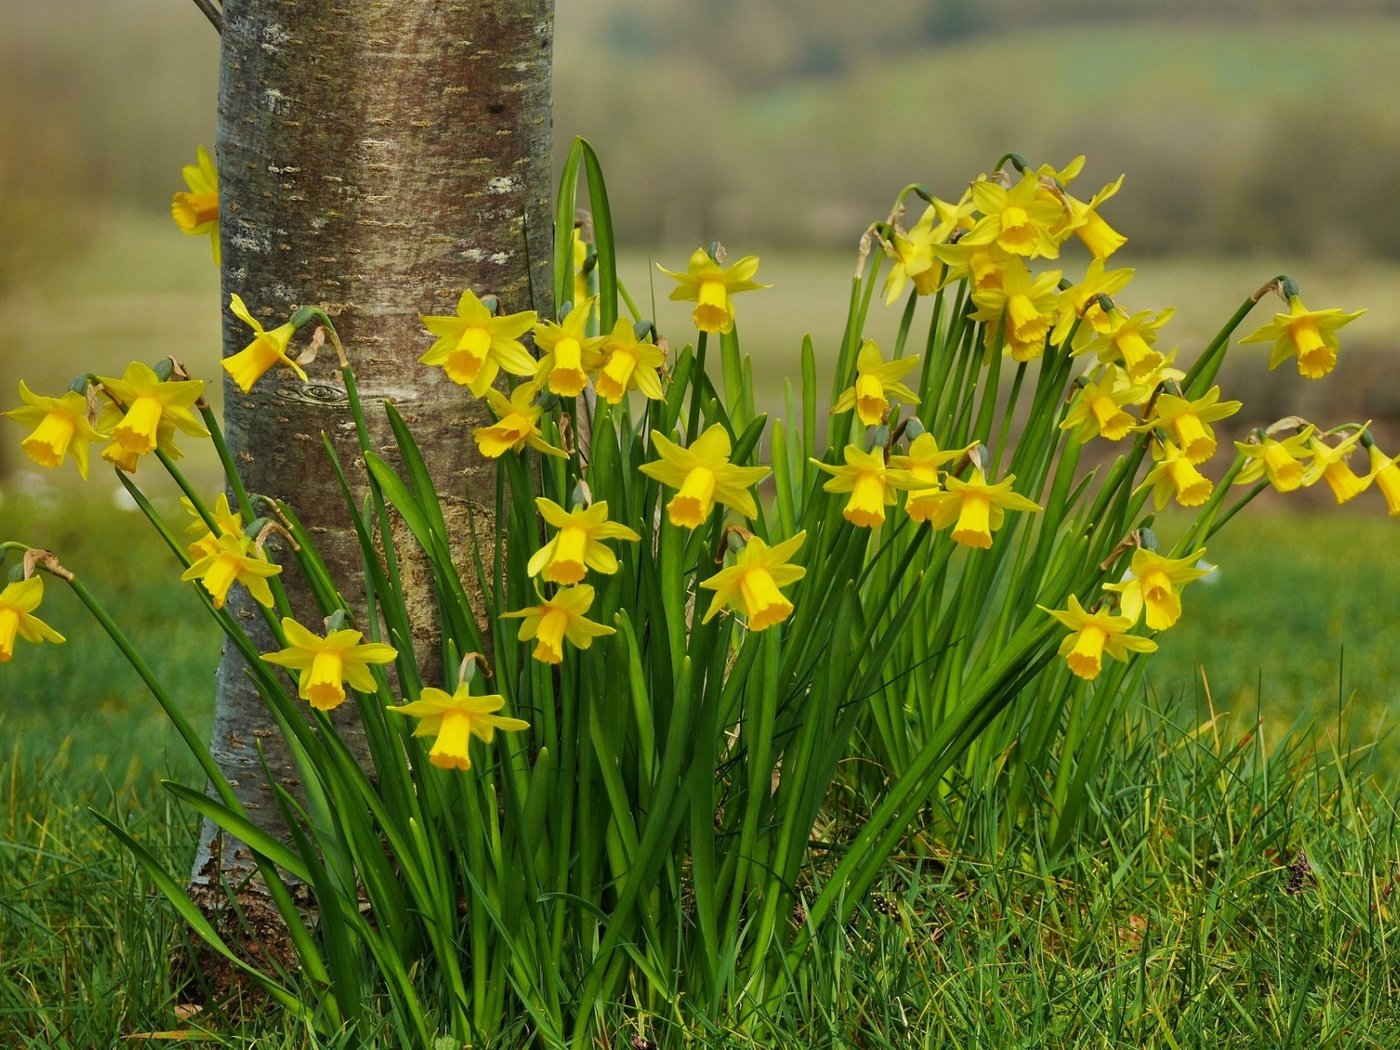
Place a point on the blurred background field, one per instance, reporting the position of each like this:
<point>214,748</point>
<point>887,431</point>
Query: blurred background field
<point>1258,137</point>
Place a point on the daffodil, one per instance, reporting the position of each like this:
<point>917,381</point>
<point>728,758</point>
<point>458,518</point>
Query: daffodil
<point>1098,410</point>
<point>752,584</point>
<point>1085,222</point>
<point>1282,462</point>
<point>557,620</point>
<point>570,352</point>
<point>128,461</point>
<point>1152,583</point>
<point>197,212</point>
<point>911,253</point>
<point>625,363</point>
<point>975,508</point>
<point>578,544</point>
<point>61,428</point>
<point>710,286</point>
<point>150,403</point>
<point>1186,421</point>
<point>517,423</point>
<point>237,560</point>
<point>1016,219</point>
<point>474,346</point>
<point>1308,335</point>
<point>1021,310</point>
<point>982,265</point>
<point>1128,339</point>
<point>327,663</point>
<point>1092,635</point>
<point>228,521</point>
<point>1329,464</point>
<point>17,604</point>
<point>877,380</point>
<point>1081,301</point>
<point>454,719</point>
<point>870,481</point>
<point>1175,475</point>
<point>265,351</point>
<point>1386,476</point>
<point>922,465</point>
<point>704,476</point>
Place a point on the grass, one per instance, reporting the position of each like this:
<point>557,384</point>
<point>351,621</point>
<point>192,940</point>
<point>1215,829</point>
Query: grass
<point>1182,917</point>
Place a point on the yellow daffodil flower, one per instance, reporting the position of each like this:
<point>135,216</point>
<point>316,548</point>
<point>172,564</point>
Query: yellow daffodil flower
<point>704,476</point>
<point>974,508</point>
<point>1282,462</point>
<point>1082,300</point>
<point>922,465</point>
<point>1129,339</point>
<point>1021,310</point>
<point>1329,464</point>
<point>1016,219</point>
<point>474,346</point>
<point>1085,222</point>
<point>1098,411</point>
<point>149,403</point>
<point>912,255</point>
<point>578,544</point>
<point>570,352</point>
<point>1152,584</point>
<point>628,363</point>
<point>1386,476</point>
<point>980,264</point>
<point>265,351</point>
<point>751,585</point>
<point>1092,635</point>
<point>197,212</point>
<point>17,604</point>
<point>518,423</point>
<point>871,483</point>
<point>454,719</point>
<point>237,560</point>
<point>557,620</point>
<point>709,286</point>
<point>1308,335</point>
<point>327,663</point>
<point>877,380</point>
<point>1175,475</point>
<point>911,259</point>
<point>1186,421</point>
<point>61,427</point>
<point>229,522</point>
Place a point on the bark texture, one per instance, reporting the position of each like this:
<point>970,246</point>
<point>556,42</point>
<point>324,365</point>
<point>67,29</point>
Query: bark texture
<point>376,157</point>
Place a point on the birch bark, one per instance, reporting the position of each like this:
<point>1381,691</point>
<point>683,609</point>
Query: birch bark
<point>376,157</point>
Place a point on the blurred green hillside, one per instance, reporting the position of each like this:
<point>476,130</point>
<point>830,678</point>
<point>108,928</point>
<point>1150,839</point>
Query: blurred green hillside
<point>1243,124</point>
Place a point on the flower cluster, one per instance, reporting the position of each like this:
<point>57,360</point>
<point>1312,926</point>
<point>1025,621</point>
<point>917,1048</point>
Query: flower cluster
<point>991,239</point>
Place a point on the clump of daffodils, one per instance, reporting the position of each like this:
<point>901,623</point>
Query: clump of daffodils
<point>605,718</point>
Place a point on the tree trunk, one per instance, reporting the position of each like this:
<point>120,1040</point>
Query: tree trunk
<point>376,157</point>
